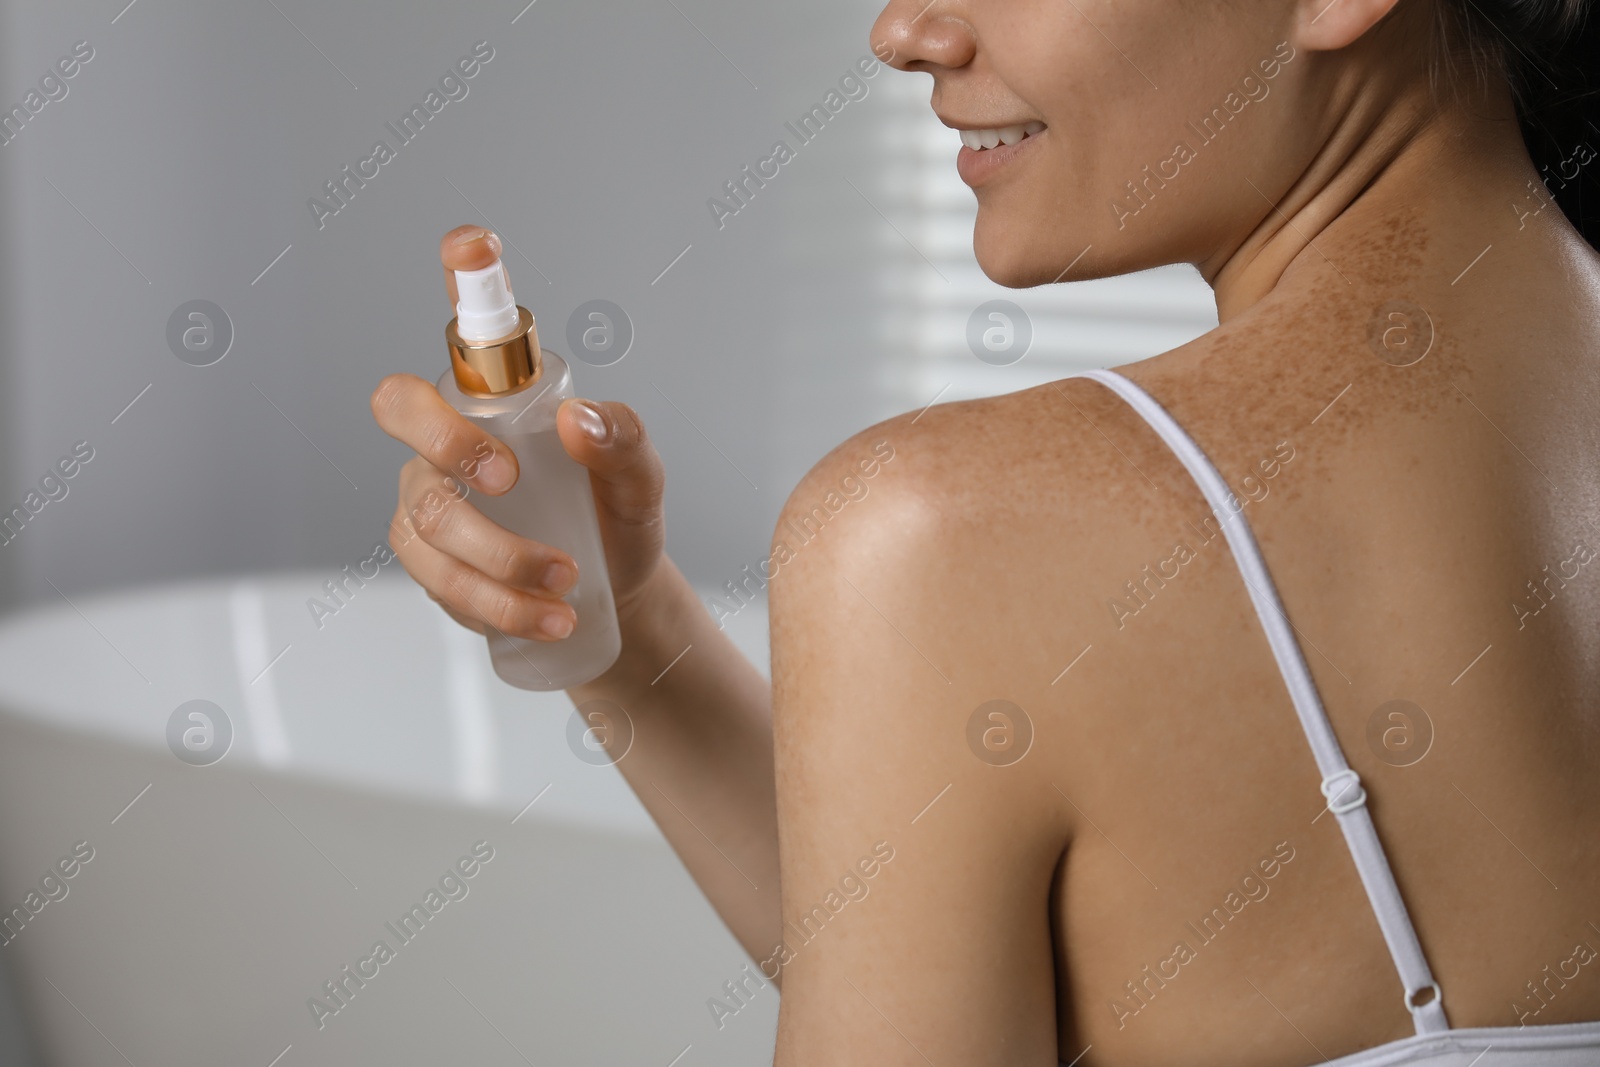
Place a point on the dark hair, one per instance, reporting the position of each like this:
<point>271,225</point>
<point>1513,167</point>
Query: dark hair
<point>1545,49</point>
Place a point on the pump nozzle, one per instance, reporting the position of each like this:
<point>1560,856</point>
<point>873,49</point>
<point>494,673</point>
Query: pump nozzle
<point>494,347</point>
<point>486,311</point>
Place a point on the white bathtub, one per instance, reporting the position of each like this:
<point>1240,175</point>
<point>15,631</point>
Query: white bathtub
<point>369,757</point>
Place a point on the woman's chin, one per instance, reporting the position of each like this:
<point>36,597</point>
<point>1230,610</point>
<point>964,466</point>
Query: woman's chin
<point>1006,257</point>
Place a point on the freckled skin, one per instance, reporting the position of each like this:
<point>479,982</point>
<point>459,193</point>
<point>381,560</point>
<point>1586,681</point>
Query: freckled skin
<point>1398,535</point>
<point>1418,502</point>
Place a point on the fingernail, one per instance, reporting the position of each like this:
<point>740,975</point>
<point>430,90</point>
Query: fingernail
<point>495,474</point>
<point>466,236</point>
<point>558,577</point>
<point>591,422</point>
<point>556,625</point>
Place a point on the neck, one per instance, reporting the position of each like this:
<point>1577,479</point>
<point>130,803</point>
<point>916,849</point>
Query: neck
<point>1466,160</point>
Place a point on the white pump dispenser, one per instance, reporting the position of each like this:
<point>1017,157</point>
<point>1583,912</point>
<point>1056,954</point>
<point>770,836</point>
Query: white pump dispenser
<point>486,311</point>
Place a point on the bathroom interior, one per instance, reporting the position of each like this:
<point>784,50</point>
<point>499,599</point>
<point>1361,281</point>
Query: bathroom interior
<point>219,160</point>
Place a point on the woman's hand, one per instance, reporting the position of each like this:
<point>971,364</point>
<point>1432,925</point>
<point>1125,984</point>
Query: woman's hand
<point>477,571</point>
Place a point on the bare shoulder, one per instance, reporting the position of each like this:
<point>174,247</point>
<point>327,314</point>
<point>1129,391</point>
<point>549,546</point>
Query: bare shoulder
<point>984,531</point>
<point>1021,507</point>
<point>960,480</point>
<point>893,606</point>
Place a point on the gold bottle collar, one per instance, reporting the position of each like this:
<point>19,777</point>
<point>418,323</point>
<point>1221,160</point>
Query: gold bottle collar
<point>494,368</point>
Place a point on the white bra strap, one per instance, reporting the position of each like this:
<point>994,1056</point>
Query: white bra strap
<point>1340,784</point>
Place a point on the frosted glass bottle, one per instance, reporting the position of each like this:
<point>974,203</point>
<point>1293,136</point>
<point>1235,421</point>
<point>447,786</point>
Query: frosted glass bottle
<point>552,503</point>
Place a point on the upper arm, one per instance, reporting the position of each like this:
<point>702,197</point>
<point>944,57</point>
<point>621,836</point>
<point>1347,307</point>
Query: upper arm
<point>915,875</point>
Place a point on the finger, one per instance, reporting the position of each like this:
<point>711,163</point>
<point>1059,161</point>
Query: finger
<point>608,437</point>
<point>411,411</point>
<point>467,593</point>
<point>469,247</point>
<point>449,522</point>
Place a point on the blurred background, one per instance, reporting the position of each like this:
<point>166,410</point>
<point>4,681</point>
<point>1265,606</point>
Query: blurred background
<point>181,161</point>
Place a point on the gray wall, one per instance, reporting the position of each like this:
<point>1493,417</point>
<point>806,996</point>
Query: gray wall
<point>180,164</point>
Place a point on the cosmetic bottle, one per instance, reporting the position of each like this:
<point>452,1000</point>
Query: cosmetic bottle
<point>501,380</point>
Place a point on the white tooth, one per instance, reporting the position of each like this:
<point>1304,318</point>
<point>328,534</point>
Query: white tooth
<point>1033,128</point>
<point>970,139</point>
<point>1010,134</point>
<point>990,138</point>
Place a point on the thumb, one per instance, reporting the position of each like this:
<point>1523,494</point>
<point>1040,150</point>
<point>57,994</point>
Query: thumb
<point>625,470</point>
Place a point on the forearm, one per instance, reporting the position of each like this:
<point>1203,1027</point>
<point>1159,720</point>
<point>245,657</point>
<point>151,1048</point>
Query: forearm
<point>701,758</point>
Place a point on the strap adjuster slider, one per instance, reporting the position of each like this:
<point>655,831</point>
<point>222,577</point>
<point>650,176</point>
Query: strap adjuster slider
<point>1333,783</point>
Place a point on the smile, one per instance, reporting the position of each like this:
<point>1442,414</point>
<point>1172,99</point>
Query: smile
<point>982,140</point>
<point>986,152</point>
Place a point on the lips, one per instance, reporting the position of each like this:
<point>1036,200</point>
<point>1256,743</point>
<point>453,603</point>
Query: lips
<point>978,166</point>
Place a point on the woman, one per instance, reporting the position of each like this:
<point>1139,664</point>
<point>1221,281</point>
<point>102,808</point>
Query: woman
<point>1040,775</point>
